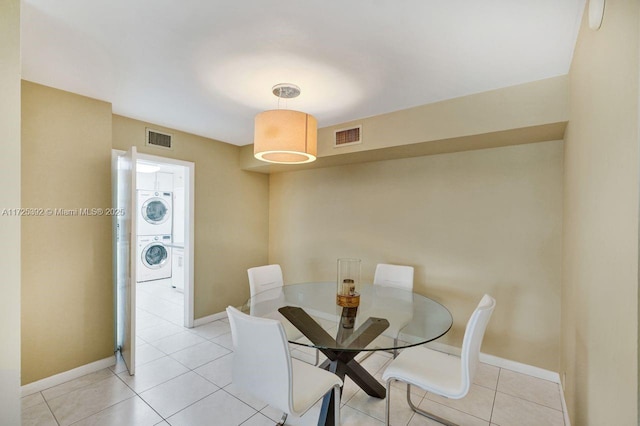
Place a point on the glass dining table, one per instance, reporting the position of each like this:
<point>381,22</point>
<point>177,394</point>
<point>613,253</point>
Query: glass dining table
<point>387,318</point>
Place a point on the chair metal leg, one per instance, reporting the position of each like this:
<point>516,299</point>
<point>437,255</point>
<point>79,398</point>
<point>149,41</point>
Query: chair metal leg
<point>317,357</point>
<point>283,419</point>
<point>387,409</point>
<point>422,412</point>
<point>336,409</point>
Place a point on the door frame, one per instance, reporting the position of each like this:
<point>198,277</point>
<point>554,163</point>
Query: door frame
<point>189,235</point>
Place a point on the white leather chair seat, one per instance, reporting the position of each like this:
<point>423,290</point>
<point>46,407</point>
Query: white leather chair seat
<point>263,367</point>
<point>439,373</point>
<point>310,384</point>
<point>430,370</point>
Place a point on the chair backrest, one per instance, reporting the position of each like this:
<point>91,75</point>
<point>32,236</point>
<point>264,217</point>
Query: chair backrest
<point>473,335</point>
<point>394,276</point>
<point>263,278</point>
<point>261,359</point>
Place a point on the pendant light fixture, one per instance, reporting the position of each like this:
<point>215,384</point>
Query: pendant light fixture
<point>284,136</point>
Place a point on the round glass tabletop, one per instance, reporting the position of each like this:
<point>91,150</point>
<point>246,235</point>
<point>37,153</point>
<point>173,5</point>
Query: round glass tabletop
<point>387,318</point>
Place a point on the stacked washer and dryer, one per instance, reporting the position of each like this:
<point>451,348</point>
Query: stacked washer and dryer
<point>154,235</point>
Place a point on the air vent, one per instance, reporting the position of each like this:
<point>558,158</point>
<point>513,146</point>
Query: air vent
<point>351,136</point>
<point>159,139</point>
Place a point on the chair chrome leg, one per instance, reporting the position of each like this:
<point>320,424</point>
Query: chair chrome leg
<point>422,412</point>
<point>387,409</point>
<point>336,408</point>
<point>395,345</point>
<point>317,357</point>
<point>283,419</point>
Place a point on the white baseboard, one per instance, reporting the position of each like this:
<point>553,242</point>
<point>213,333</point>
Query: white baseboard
<point>209,318</point>
<point>63,377</point>
<point>518,367</point>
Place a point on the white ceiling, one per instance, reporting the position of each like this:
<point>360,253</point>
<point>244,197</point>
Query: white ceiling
<point>207,67</point>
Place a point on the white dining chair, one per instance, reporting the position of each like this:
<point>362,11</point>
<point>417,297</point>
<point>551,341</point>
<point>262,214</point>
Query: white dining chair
<point>263,367</point>
<point>400,276</point>
<point>439,373</point>
<point>264,278</point>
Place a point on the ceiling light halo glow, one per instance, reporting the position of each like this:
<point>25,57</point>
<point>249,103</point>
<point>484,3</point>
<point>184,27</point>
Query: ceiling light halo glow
<point>284,136</point>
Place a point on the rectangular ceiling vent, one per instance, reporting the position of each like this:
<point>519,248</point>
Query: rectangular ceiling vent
<point>159,139</point>
<point>351,136</point>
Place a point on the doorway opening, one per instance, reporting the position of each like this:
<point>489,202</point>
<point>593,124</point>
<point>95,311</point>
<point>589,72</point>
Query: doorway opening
<point>153,247</point>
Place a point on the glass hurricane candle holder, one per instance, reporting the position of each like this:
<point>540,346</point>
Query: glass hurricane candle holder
<point>348,283</point>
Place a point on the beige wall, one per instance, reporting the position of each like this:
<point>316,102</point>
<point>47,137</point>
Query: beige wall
<point>471,222</point>
<point>600,271</point>
<point>516,107</point>
<point>67,288</point>
<point>231,213</point>
<point>525,113</point>
<point>10,198</point>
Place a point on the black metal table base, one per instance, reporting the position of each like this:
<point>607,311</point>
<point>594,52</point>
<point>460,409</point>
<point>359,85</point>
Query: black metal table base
<point>340,361</point>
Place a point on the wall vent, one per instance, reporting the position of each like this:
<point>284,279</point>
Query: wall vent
<point>351,136</point>
<point>159,139</point>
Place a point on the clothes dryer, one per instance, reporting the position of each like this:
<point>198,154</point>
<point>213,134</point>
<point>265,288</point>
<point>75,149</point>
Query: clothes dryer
<point>154,212</point>
<point>154,257</point>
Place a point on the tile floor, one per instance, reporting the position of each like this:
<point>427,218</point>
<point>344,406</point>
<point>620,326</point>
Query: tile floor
<point>184,378</point>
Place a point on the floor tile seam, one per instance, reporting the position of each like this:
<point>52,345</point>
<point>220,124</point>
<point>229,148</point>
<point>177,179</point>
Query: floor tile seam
<point>181,349</point>
<point>528,400</point>
<point>528,375</point>
<point>350,398</point>
<point>495,394</point>
<point>460,411</point>
<point>81,387</point>
<point>194,402</point>
<point>103,409</point>
<point>259,413</point>
<point>203,336</point>
<point>532,402</point>
<point>153,341</point>
<point>55,419</point>
<point>146,362</point>
<point>210,380</point>
<point>141,398</point>
<point>208,341</point>
<point>201,365</point>
<point>160,384</point>
<point>244,402</point>
<point>173,414</point>
<point>265,414</point>
<point>362,412</point>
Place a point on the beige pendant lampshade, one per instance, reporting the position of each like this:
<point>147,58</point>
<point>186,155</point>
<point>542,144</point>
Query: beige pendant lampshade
<point>285,136</point>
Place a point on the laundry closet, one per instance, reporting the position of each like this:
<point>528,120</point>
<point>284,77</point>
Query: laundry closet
<point>160,192</point>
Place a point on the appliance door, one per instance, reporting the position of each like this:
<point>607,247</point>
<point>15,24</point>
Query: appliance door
<point>155,255</point>
<point>155,210</point>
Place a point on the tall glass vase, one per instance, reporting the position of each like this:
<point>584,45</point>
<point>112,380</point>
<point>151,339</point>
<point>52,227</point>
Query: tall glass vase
<point>348,283</point>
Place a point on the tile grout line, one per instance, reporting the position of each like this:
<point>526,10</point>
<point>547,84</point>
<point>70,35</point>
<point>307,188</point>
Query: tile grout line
<point>49,408</point>
<point>190,370</point>
<point>495,395</point>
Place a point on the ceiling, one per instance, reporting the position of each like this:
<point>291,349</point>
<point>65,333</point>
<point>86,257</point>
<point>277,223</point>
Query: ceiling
<point>207,67</point>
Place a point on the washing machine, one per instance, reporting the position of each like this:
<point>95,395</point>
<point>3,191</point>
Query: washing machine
<point>154,257</point>
<point>154,212</point>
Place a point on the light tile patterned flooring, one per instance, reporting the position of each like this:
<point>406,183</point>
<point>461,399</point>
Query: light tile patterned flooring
<point>183,377</point>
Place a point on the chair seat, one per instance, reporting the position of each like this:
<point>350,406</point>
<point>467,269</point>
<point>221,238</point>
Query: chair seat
<point>310,383</point>
<point>430,370</point>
